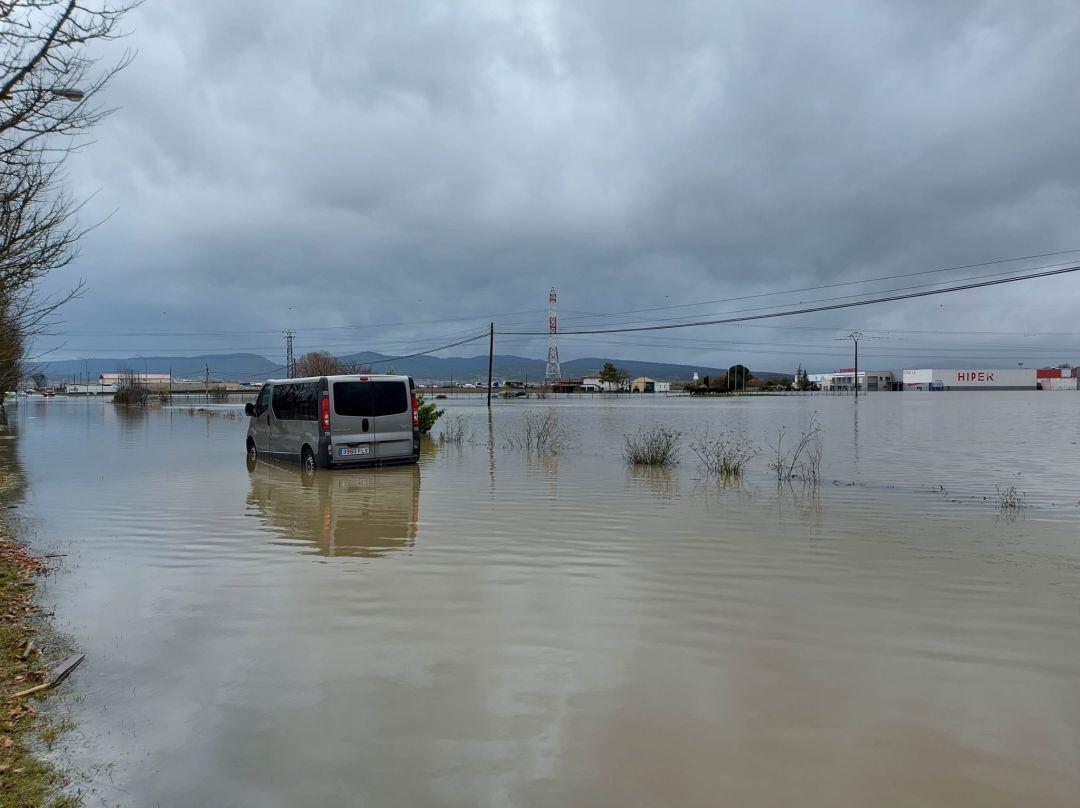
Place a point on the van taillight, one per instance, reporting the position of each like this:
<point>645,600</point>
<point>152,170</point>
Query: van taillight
<point>325,410</point>
<point>415,412</point>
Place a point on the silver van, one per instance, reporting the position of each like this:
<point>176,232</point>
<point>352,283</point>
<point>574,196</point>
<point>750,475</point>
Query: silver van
<point>336,421</point>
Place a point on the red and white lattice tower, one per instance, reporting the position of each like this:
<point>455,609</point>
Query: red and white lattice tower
<point>553,372</point>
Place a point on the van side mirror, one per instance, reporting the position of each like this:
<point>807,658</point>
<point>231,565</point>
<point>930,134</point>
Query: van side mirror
<point>249,409</point>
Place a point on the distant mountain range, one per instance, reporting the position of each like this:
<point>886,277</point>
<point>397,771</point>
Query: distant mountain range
<point>253,367</point>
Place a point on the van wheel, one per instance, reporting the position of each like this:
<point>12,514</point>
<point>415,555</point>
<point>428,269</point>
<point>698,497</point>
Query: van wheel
<point>252,453</point>
<point>307,459</point>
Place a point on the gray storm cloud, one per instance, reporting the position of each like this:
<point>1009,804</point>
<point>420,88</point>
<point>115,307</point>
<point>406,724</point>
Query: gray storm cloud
<point>322,164</point>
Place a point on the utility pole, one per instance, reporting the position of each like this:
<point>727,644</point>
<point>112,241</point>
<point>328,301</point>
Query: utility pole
<point>855,336</point>
<point>206,385</point>
<point>491,359</point>
<point>290,363</point>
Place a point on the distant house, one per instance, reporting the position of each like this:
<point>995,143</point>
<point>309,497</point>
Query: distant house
<point>565,385</point>
<point>643,384</point>
<point>592,384</point>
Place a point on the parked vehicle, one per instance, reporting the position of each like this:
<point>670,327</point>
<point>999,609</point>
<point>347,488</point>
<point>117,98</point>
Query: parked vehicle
<point>336,421</point>
<point>48,392</point>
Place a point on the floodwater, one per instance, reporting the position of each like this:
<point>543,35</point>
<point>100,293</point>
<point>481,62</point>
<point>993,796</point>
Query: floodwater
<point>497,629</point>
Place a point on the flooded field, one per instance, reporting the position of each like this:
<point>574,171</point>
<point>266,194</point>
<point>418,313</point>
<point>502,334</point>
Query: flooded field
<point>495,628</point>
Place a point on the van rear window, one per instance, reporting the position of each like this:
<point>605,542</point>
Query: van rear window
<point>353,399</point>
<point>367,399</point>
<point>391,398</point>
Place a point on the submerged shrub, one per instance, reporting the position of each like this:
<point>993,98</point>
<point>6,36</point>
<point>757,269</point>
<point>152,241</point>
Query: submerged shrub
<point>456,430</point>
<point>1010,500</point>
<point>803,460</point>
<point>658,446</point>
<point>538,433</point>
<point>131,391</point>
<point>725,454</point>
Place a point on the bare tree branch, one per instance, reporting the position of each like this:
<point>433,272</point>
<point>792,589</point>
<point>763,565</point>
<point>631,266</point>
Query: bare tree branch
<point>49,85</point>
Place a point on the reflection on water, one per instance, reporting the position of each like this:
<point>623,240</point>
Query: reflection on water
<point>657,481</point>
<point>12,484</point>
<point>368,512</point>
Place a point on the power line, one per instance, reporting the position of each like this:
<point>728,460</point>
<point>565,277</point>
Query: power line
<point>813,309</point>
<point>428,351</point>
<point>838,297</point>
<point>586,316</point>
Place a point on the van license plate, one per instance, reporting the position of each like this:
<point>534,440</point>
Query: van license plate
<point>353,450</point>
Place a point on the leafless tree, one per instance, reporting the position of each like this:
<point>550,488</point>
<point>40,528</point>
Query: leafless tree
<point>319,363</point>
<point>50,85</point>
<point>324,363</point>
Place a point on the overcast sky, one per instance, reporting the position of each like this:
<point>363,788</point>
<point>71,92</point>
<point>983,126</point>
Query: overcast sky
<point>331,165</point>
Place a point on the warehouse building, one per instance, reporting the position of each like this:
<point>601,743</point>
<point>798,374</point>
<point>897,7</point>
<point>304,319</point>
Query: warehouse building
<point>970,379</point>
<point>154,381</point>
<point>843,381</point>
<point>643,384</point>
<point>1063,378</point>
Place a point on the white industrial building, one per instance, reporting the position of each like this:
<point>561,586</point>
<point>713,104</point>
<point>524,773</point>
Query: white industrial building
<point>971,379</point>
<point>593,384</point>
<point>843,380</point>
<point>152,380</point>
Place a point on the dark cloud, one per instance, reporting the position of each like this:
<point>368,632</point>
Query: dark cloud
<point>330,164</point>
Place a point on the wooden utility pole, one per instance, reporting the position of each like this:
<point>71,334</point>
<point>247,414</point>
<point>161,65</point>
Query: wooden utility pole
<point>206,385</point>
<point>491,359</point>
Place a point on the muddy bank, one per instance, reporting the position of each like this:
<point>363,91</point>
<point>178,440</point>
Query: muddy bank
<point>26,778</point>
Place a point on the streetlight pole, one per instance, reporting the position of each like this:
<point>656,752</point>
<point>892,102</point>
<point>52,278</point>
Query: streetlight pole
<point>855,336</point>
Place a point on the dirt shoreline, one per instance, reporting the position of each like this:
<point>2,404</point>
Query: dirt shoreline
<point>26,778</point>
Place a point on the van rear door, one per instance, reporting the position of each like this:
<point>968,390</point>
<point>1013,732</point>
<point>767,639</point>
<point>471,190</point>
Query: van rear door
<point>393,418</point>
<point>352,422</point>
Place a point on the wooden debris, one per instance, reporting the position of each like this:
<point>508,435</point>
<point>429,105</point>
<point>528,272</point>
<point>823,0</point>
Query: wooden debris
<point>54,677</point>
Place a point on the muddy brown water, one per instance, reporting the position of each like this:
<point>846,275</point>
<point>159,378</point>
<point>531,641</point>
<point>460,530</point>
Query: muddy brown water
<point>496,629</point>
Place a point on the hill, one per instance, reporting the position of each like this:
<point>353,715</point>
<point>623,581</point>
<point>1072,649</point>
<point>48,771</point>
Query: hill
<point>222,366</point>
<point>253,367</point>
<point>509,366</point>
